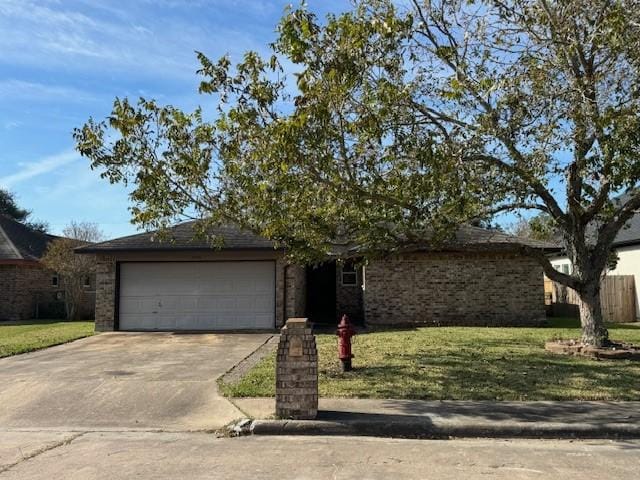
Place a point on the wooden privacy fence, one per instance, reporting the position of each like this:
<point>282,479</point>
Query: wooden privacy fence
<point>617,295</point>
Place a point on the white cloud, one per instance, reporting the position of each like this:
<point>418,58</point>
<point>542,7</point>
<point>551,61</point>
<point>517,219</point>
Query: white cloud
<point>11,124</point>
<point>75,192</point>
<point>12,89</point>
<point>39,167</point>
<point>81,35</point>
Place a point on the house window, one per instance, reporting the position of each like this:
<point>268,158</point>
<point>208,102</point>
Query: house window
<point>349,275</point>
<point>87,282</point>
<point>565,268</point>
<point>55,280</point>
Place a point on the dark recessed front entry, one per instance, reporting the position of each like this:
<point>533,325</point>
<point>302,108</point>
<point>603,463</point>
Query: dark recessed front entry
<point>321,293</point>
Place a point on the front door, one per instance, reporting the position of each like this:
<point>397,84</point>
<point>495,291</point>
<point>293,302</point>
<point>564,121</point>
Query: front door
<point>321,293</point>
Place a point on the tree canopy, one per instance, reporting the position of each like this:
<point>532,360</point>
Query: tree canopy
<point>10,208</point>
<point>399,124</point>
<point>73,269</point>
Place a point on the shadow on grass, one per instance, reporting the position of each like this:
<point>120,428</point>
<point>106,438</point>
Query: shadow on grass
<point>551,322</point>
<point>468,375</point>
<point>323,329</point>
<point>569,322</point>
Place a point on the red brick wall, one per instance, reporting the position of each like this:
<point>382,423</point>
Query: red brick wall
<point>454,289</point>
<point>296,292</point>
<point>33,285</point>
<point>26,286</point>
<point>7,292</point>
<point>21,286</point>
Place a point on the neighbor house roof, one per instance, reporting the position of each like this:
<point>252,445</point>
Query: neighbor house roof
<point>184,237</point>
<point>627,236</point>
<point>21,243</point>
<point>630,233</point>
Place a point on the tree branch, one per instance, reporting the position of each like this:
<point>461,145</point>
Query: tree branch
<point>549,269</point>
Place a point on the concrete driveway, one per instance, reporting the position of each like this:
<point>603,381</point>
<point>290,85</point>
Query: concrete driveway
<point>117,381</point>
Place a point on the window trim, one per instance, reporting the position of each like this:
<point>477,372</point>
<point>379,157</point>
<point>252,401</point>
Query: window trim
<point>55,280</point>
<point>354,273</point>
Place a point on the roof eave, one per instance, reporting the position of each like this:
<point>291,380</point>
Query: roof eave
<point>18,261</point>
<point>105,251</point>
<point>491,247</point>
<point>627,243</point>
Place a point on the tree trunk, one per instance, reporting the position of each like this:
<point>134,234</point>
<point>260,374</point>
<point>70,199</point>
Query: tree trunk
<point>71,303</point>
<point>70,308</point>
<point>593,329</point>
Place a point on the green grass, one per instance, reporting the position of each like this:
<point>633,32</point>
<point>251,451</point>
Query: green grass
<point>24,337</point>
<point>463,363</point>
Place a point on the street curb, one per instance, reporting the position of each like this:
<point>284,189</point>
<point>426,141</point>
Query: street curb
<point>427,429</point>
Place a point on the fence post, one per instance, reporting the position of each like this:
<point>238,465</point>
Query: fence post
<point>297,372</point>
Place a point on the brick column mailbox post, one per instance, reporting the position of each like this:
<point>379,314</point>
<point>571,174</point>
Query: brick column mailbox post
<point>297,372</point>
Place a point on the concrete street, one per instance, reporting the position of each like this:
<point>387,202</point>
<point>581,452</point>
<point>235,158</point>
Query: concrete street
<point>142,455</point>
<point>123,381</point>
<point>122,406</point>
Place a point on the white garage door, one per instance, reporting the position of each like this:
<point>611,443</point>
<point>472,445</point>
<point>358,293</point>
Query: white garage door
<point>197,296</point>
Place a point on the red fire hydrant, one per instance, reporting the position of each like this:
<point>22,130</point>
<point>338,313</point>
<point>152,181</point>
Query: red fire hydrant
<point>345,332</point>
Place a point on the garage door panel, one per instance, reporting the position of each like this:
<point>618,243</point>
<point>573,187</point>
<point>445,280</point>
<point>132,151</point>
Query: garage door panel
<point>262,303</point>
<point>197,296</point>
<point>141,321</point>
<point>166,322</point>
<point>206,303</point>
<point>219,286</point>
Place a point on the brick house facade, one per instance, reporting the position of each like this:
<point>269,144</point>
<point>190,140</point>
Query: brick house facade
<point>454,288</point>
<point>27,289</point>
<point>24,289</point>
<point>487,283</point>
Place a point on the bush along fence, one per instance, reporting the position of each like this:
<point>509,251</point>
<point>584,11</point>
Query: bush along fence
<point>617,295</point>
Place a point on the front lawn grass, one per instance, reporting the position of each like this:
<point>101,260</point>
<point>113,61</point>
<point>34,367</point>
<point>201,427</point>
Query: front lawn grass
<point>463,363</point>
<point>27,336</point>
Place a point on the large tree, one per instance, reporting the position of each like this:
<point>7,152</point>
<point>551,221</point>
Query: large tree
<point>71,268</point>
<point>402,123</point>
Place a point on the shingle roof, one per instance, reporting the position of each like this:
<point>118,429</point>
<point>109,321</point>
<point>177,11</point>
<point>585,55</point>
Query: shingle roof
<point>630,233</point>
<point>183,237</point>
<point>19,242</point>
<point>477,236</point>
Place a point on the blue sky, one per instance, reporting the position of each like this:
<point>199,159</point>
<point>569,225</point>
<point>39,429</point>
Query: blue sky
<point>63,61</point>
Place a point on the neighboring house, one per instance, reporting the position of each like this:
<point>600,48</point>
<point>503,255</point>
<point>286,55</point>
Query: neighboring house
<point>27,289</point>
<point>627,247</point>
<point>480,278</point>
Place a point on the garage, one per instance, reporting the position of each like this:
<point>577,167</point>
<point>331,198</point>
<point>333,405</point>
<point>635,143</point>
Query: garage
<point>190,296</point>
